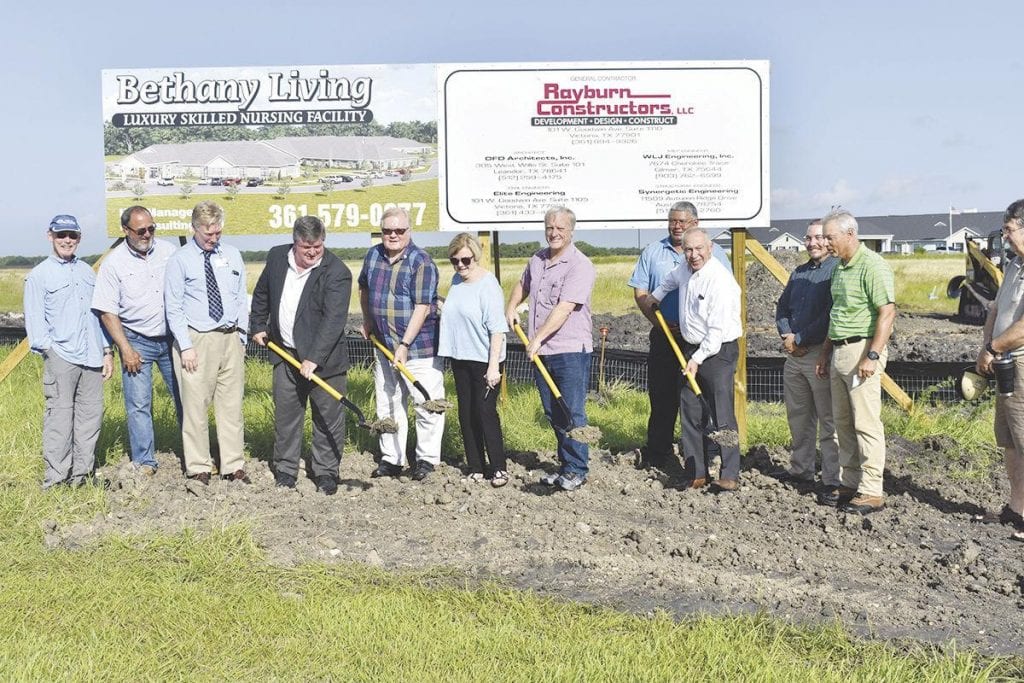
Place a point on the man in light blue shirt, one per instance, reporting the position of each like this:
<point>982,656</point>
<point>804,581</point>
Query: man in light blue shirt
<point>76,355</point>
<point>208,315</point>
<point>129,298</point>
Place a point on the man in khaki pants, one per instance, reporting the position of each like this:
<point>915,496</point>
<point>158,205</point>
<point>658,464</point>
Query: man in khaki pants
<point>853,357</point>
<point>208,315</point>
<point>802,317</point>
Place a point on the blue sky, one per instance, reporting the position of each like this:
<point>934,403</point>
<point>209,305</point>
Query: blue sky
<point>886,108</point>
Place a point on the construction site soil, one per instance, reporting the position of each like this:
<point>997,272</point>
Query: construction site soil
<point>921,569</point>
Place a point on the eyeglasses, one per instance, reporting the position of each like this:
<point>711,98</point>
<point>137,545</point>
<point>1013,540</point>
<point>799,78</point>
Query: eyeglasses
<point>142,232</point>
<point>394,231</point>
<point>465,260</point>
<point>1007,229</point>
<point>64,234</point>
<point>682,221</point>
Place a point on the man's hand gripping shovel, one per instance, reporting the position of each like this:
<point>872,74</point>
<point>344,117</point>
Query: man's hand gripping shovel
<point>584,434</point>
<point>439,405</point>
<point>381,427</point>
<point>724,437</point>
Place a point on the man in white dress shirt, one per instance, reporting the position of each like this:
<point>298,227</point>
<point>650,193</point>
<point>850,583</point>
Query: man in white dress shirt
<point>709,321</point>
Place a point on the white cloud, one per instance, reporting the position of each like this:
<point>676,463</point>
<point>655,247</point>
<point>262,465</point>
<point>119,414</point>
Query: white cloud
<point>841,193</point>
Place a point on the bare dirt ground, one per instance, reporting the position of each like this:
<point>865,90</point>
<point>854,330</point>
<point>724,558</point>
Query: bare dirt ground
<point>920,569</point>
<point>918,338</point>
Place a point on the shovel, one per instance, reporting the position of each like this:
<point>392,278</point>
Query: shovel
<point>584,434</point>
<point>381,427</point>
<point>708,423</point>
<point>432,405</point>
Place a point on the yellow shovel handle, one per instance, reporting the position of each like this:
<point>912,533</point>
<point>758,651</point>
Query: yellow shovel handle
<point>391,357</point>
<point>677,350</point>
<point>291,361</point>
<point>537,361</point>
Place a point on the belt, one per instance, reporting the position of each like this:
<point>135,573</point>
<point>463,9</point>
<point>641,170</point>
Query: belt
<point>848,340</point>
<point>225,329</point>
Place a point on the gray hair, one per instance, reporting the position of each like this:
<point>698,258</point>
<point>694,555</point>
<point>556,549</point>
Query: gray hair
<point>207,213</point>
<point>308,229</point>
<point>126,215</point>
<point>685,207</point>
<point>396,211</point>
<point>561,211</point>
<point>843,218</point>
<point>1014,212</point>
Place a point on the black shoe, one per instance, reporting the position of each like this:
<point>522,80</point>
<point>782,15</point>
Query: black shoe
<point>787,477</point>
<point>203,478</point>
<point>284,481</point>
<point>835,496</point>
<point>422,469</point>
<point>386,469</point>
<point>326,484</point>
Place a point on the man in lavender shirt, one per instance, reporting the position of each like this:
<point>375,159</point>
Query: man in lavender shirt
<point>558,281</point>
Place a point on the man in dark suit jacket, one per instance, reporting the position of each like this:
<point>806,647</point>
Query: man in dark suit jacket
<point>301,303</point>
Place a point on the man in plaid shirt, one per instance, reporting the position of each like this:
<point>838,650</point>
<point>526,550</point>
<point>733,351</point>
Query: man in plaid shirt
<point>398,296</point>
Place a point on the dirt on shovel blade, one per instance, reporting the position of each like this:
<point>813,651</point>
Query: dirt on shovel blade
<point>587,434</point>
<point>438,405</point>
<point>725,437</point>
<point>385,426</point>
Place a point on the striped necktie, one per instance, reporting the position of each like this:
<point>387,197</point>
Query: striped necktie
<point>212,290</point>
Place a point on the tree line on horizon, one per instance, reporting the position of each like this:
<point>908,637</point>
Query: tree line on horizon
<point>123,141</point>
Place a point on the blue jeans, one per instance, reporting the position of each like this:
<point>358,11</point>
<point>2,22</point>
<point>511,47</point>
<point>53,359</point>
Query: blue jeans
<point>138,394</point>
<point>571,374</point>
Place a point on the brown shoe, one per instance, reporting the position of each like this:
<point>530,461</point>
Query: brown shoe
<point>202,477</point>
<point>725,486</point>
<point>693,484</point>
<point>237,475</point>
<point>864,505</point>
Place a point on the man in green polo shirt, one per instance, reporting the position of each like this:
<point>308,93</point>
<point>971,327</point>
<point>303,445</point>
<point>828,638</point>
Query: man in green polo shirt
<point>853,357</point>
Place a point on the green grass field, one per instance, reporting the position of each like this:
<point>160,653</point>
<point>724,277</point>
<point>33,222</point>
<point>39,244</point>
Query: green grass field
<point>260,213</point>
<point>211,608</point>
<point>918,279</point>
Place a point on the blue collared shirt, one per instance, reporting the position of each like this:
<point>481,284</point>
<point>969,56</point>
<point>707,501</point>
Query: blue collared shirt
<point>131,286</point>
<point>803,308</point>
<point>58,312</point>
<point>185,292</point>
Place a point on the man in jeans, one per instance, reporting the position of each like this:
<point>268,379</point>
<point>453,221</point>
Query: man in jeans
<point>76,356</point>
<point>129,298</point>
<point>559,281</point>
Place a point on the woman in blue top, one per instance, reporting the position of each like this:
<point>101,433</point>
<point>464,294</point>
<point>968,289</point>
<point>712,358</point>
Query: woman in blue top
<point>473,328</point>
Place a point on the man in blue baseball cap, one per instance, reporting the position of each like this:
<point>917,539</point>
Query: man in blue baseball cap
<point>63,329</point>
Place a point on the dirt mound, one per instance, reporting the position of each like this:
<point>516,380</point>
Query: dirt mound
<point>923,338</point>
<point>919,569</point>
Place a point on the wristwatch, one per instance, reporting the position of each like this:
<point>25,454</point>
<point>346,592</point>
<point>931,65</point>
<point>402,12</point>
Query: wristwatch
<point>403,343</point>
<point>872,355</point>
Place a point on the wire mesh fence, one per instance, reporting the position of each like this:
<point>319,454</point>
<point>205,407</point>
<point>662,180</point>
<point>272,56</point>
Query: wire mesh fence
<point>764,375</point>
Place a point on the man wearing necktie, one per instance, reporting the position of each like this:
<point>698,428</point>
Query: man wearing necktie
<point>207,313</point>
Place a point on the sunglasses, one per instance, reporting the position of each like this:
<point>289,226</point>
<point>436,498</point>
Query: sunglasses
<point>148,230</point>
<point>64,234</point>
<point>465,260</point>
<point>394,231</point>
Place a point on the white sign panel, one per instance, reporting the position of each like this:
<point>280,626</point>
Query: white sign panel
<point>618,143</point>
